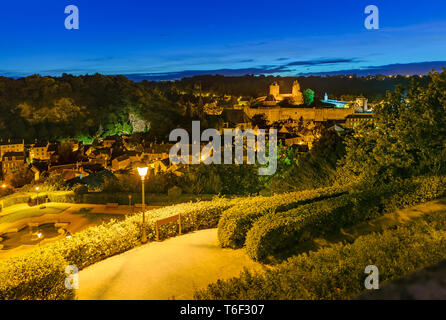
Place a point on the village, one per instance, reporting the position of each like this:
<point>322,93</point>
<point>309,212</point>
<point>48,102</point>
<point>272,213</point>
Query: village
<point>298,126</point>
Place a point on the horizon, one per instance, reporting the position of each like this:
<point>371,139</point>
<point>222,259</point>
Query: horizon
<point>158,41</point>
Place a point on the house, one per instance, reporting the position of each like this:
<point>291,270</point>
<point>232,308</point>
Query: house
<point>68,171</point>
<point>157,151</point>
<point>102,156</point>
<point>39,151</point>
<point>110,141</point>
<point>352,121</point>
<point>125,160</point>
<point>12,161</point>
<point>12,146</point>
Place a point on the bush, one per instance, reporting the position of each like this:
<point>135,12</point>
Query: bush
<point>25,197</point>
<point>337,272</point>
<point>194,216</point>
<point>277,235</point>
<point>37,275</point>
<point>236,222</point>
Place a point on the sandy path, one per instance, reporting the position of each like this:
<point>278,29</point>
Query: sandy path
<point>170,269</point>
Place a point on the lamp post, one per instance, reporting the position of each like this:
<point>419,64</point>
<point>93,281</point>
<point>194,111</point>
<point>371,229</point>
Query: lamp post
<point>142,172</point>
<point>37,197</point>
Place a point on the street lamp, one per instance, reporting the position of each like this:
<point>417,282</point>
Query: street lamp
<point>37,198</point>
<point>39,236</point>
<point>143,172</point>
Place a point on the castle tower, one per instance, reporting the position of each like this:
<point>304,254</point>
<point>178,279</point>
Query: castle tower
<point>274,90</point>
<point>296,88</point>
<point>297,95</point>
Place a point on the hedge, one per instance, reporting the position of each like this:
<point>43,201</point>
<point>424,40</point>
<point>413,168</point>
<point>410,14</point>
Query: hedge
<point>337,272</point>
<point>150,198</point>
<point>54,196</point>
<point>236,221</point>
<point>277,235</point>
<point>37,275</point>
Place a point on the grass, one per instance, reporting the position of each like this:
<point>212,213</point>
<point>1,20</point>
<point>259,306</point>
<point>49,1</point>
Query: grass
<point>31,213</point>
<point>98,218</point>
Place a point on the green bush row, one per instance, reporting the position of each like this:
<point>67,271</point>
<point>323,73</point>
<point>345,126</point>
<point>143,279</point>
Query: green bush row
<point>337,272</point>
<point>236,221</point>
<point>278,234</point>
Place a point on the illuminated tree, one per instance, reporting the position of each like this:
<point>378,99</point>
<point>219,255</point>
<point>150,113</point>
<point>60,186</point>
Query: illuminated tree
<point>308,96</point>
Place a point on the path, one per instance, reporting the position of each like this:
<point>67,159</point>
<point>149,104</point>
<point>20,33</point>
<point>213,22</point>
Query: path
<point>170,269</point>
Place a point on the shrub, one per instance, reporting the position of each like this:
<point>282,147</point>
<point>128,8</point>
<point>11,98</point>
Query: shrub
<point>278,235</point>
<point>337,272</point>
<point>236,221</point>
<point>37,275</point>
<point>194,216</point>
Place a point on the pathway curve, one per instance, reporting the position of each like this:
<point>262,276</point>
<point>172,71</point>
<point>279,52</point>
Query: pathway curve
<point>171,269</point>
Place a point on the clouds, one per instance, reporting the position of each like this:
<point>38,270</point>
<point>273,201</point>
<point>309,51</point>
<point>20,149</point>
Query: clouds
<point>273,69</point>
<point>416,68</point>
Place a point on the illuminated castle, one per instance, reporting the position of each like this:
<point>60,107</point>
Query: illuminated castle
<point>295,96</point>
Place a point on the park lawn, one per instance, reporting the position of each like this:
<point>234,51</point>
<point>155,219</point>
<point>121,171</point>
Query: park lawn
<point>32,212</point>
<point>98,218</point>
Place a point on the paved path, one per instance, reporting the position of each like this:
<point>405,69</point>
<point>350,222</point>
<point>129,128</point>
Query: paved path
<point>171,269</point>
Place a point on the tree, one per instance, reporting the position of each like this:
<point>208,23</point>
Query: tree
<point>308,96</point>
<point>408,137</point>
<point>20,177</point>
<point>260,121</point>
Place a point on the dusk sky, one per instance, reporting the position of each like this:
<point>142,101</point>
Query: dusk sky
<point>171,39</point>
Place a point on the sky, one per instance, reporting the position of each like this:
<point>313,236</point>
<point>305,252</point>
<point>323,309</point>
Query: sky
<point>170,39</point>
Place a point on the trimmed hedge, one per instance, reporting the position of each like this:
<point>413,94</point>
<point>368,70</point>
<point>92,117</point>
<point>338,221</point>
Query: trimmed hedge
<point>337,272</point>
<point>277,235</point>
<point>24,197</point>
<point>151,198</point>
<point>37,275</point>
<point>236,221</point>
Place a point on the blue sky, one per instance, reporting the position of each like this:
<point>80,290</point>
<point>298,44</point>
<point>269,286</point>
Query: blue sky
<point>170,39</point>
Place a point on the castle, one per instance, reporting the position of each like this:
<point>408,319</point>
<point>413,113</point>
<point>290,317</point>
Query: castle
<point>270,107</point>
<point>294,98</point>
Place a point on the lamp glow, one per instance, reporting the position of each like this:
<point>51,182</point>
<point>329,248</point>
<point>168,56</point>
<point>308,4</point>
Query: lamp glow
<point>142,172</point>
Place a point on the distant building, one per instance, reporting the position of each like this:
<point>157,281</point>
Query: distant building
<point>11,146</point>
<point>39,151</point>
<point>295,97</point>
<point>352,121</point>
<point>12,161</point>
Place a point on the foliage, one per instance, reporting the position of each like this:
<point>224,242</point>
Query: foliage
<point>236,221</point>
<point>308,96</point>
<point>337,272</point>
<point>279,234</point>
<point>19,177</point>
<point>315,169</point>
<point>408,136</point>
<point>38,275</point>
